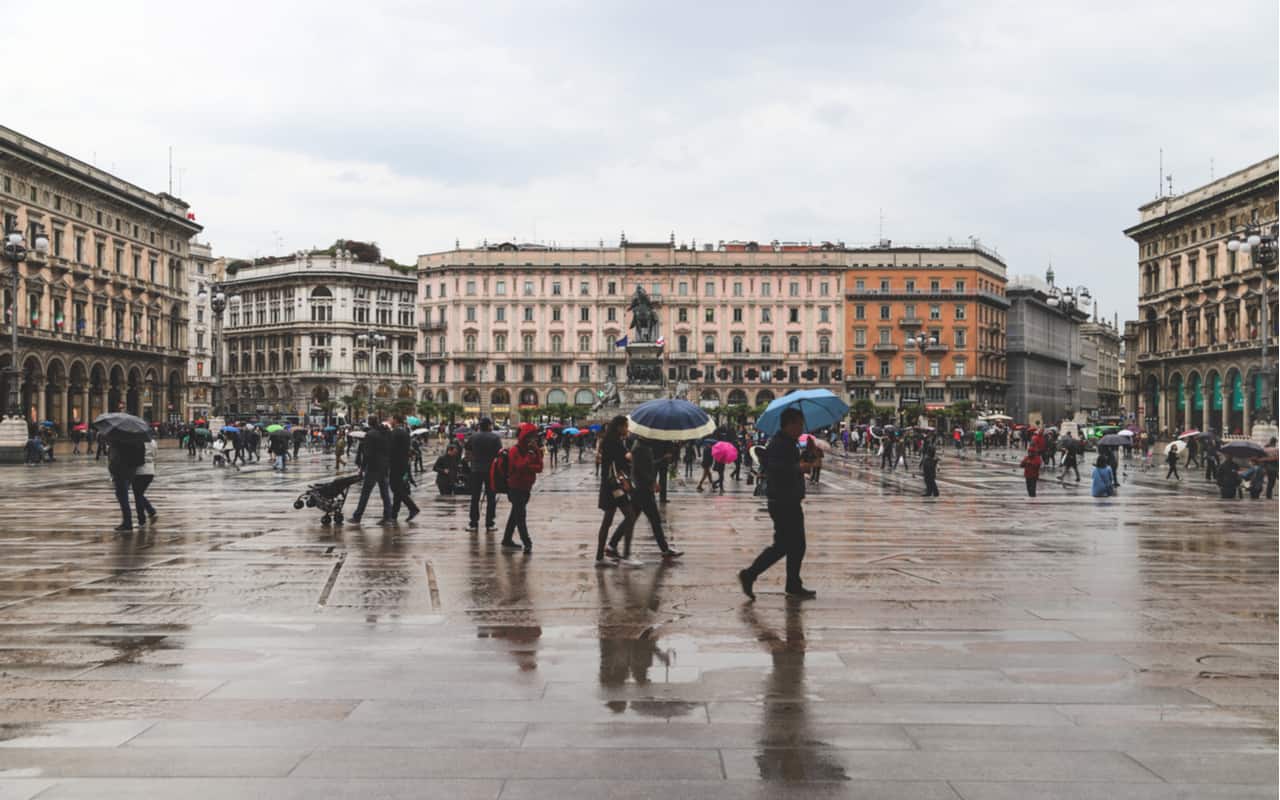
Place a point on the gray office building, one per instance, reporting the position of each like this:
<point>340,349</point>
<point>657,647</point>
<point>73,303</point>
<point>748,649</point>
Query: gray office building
<point>1042,341</point>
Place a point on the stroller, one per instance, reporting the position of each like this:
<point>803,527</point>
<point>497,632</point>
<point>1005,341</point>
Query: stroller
<point>328,497</point>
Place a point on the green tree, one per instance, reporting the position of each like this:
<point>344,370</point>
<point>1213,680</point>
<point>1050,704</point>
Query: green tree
<point>863,410</point>
<point>428,410</point>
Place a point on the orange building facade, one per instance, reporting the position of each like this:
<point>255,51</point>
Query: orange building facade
<point>953,297</point>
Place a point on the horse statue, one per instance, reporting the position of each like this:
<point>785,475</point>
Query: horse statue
<point>644,319</point>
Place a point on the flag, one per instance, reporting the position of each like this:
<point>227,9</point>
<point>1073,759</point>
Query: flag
<point>621,342</point>
<point>662,341</point>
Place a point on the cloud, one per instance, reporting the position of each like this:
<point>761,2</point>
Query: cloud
<point>1033,127</point>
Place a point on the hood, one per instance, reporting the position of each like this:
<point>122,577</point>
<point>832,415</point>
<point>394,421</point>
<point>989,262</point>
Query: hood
<point>526,429</point>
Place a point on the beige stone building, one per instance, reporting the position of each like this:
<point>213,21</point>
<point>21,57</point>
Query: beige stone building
<point>204,271</point>
<point>102,320</point>
<point>1199,334</point>
<point>509,325</point>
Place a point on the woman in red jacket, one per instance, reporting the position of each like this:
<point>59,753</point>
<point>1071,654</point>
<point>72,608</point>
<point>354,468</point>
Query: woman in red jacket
<point>524,462</point>
<point>1031,469</point>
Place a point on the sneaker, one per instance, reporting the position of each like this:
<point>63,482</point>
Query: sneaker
<point>510,546</point>
<point>473,529</point>
<point>672,554</point>
<point>802,593</point>
<point>122,528</point>
<point>747,582</point>
<point>612,552</point>
<point>606,562</point>
<point>630,562</point>
<point>412,514</point>
<point>490,528</point>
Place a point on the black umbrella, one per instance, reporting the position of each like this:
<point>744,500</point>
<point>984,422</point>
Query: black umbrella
<point>1114,440</point>
<point>120,427</point>
<point>1243,449</point>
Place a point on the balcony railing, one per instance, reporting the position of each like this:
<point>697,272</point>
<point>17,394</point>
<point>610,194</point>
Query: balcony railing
<point>438,326</point>
<point>885,347</point>
<point>910,322</point>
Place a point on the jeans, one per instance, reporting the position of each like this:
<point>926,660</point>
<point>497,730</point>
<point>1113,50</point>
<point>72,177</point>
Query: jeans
<point>624,529</point>
<point>122,497</point>
<point>140,484</point>
<point>647,505</point>
<point>480,486</point>
<point>371,480</point>
<point>788,542</point>
<point>400,494</point>
<point>1031,487</point>
<point>1173,471</point>
<point>279,462</point>
<point>516,520</point>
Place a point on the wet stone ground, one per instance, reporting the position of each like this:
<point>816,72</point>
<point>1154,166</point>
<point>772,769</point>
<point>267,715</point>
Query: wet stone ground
<point>980,646</point>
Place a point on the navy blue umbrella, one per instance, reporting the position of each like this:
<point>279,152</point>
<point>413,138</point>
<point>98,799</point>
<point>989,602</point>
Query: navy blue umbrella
<point>670,420</point>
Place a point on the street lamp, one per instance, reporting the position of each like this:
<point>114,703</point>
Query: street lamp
<point>372,339</point>
<point>217,304</point>
<point>921,340</point>
<point>15,252</point>
<point>1069,301</point>
<point>1260,244</point>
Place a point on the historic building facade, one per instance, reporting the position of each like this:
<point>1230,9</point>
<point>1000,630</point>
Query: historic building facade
<point>1045,355</point>
<point>952,296</point>
<point>201,275</point>
<point>102,319</point>
<point>1198,360</point>
<point>1100,379</point>
<point>512,325</point>
<point>312,327</point>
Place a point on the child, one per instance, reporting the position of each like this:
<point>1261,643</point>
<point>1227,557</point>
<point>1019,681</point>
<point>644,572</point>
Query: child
<point>1031,470</point>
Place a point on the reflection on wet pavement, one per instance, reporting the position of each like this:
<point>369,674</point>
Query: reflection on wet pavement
<point>978,646</point>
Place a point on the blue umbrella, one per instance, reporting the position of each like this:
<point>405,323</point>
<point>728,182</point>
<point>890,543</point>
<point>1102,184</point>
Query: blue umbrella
<point>329,428</point>
<point>570,431</point>
<point>46,424</point>
<point>595,428</point>
<point>231,428</point>
<point>670,420</point>
<point>820,406</point>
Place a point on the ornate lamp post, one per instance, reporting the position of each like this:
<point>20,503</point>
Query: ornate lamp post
<point>217,304</point>
<point>372,339</point>
<point>921,340</point>
<point>13,430</point>
<point>1260,244</point>
<point>1069,301</point>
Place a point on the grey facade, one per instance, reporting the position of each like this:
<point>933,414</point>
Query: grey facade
<point>1042,340</point>
<point>1100,390</point>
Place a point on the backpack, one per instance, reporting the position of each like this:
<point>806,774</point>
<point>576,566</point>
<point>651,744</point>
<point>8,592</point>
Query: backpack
<point>499,469</point>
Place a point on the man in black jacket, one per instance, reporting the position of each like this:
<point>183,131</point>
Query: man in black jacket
<point>785,480</point>
<point>484,445</point>
<point>400,452</point>
<point>646,466</point>
<point>375,462</point>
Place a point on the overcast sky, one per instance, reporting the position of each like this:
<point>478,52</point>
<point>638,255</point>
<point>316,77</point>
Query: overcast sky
<point>1033,126</point>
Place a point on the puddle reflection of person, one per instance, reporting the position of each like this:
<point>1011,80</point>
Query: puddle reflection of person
<point>501,603</point>
<point>790,750</point>
<point>629,640</point>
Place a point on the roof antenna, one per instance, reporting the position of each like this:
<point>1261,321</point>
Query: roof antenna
<point>1160,177</point>
<point>170,169</point>
<point>1210,167</point>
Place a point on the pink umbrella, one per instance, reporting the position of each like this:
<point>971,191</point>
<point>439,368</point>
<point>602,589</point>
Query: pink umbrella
<point>724,453</point>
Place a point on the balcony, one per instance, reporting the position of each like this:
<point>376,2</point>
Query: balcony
<point>910,322</point>
<point>686,356</point>
<point>937,348</point>
<point>885,347</point>
<point>438,326</point>
<point>423,356</point>
<point>830,356</point>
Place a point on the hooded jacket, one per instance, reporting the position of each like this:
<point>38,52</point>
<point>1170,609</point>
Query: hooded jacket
<point>524,461</point>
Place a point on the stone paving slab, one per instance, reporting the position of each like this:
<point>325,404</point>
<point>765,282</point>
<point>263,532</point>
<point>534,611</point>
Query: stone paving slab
<point>979,646</point>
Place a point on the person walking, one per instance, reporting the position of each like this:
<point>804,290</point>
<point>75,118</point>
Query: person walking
<point>1270,465</point>
<point>1103,479</point>
<point>1069,461</point>
<point>484,444</point>
<point>1171,458</point>
<point>1228,480</point>
<point>785,481</point>
<point>398,464</point>
<point>929,469</point>
<point>690,458</point>
<point>524,462</point>
<point>339,450</point>
<point>142,478</point>
<point>707,463</point>
<point>1031,469</point>
<point>123,460</point>
<point>615,495</point>
<point>645,466</point>
<point>886,452</point>
<point>812,455</point>
<point>375,455</point>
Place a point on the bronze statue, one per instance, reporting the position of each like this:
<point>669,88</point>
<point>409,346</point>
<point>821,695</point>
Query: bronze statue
<point>644,319</point>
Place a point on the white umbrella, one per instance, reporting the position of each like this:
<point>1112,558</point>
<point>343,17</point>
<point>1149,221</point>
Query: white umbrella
<point>1175,447</point>
<point>419,432</point>
<point>999,417</point>
<point>1128,433</point>
<point>358,434</point>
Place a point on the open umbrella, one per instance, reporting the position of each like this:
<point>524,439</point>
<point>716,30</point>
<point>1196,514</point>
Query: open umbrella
<point>46,424</point>
<point>358,434</point>
<point>595,428</point>
<point>1175,446</point>
<point>1114,440</point>
<point>413,421</point>
<point>1128,434</point>
<point>274,428</point>
<point>821,444</point>
<point>330,428</point>
<point>670,420</point>
<point>120,427</point>
<point>820,406</point>
<point>999,418</point>
<point>555,426</point>
<point>1189,434</point>
<point>1243,449</point>
<point>419,432</point>
<point>724,453</point>
<point>82,427</point>
<point>230,429</point>
<point>570,431</point>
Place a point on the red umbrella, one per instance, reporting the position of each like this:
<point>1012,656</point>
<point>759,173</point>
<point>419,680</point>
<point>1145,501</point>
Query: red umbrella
<point>724,453</point>
<point>81,427</point>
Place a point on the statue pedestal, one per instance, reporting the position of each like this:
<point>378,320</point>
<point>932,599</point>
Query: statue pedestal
<point>13,440</point>
<point>645,376</point>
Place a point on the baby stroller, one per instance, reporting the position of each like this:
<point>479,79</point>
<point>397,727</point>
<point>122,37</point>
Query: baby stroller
<point>328,497</point>
<point>221,453</point>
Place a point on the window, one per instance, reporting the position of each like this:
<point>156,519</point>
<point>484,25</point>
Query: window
<point>935,285</point>
<point>886,336</point>
<point>793,315</point>
<point>824,344</point>
<point>528,313</point>
<point>471,288</point>
<point>859,311</point>
<point>584,314</point>
<point>960,338</point>
<point>499,288</point>
<point>794,289</point>
<point>682,289</point>
<point>859,337</point>
<point>766,344</point>
<point>960,364</point>
<point>737,288</point>
<point>959,286</point>
<point>824,289</point>
<point>682,343</point>
<point>500,342</point>
<point>499,314</point>
<point>824,314</point>
<point>500,373</point>
<point>557,373</point>
<point>911,285</point>
<point>884,369</point>
<point>766,289</point>
<point>555,289</point>
<point>884,284</point>
<point>960,311</point>
<point>710,289</point>
<point>526,342</point>
<point>682,315</point>
<point>584,373</point>
<point>584,343</point>
<point>99,257</point>
<point>935,369</point>
<point>737,344</point>
<point>710,315</point>
<point>884,312</point>
<point>959,393</point>
<point>766,315</point>
<point>611,288</point>
<point>469,343</point>
<point>737,314</point>
<point>584,288</point>
<point>555,314</point>
<point>557,343</point>
<point>793,344</point>
<point>471,313</point>
<point>859,367</point>
<point>611,314</point>
<point>79,249</point>
<point>935,311</point>
<point>909,367</point>
<point>709,344</point>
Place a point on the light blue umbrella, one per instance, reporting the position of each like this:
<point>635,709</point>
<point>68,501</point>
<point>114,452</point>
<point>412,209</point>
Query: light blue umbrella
<point>570,431</point>
<point>820,406</point>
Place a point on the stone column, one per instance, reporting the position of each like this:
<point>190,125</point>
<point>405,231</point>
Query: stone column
<point>40,400</point>
<point>1187,405</point>
<point>1244,417</point>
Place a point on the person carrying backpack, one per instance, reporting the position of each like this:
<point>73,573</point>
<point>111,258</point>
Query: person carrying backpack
<point>516,469</point>
<point>123,460</point>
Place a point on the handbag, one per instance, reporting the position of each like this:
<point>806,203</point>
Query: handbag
<point>619,494</point>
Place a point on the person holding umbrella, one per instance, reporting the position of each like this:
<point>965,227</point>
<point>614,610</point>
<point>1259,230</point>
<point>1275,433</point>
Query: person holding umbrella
<point>615,494</point>
<point>142,478</point>
<point>1171,458</point>
<point>127,436</point>
<point>644,481</point>
<point>785,481</point>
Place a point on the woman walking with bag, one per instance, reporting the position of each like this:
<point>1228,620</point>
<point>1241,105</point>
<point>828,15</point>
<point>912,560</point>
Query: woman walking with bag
<point>142,478</point>
<point>524,462</point>
<point>615,495</point>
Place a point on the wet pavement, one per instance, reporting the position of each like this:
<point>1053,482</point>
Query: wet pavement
<point>979,646</point>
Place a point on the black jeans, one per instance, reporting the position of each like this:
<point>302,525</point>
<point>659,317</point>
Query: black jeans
<point>516,520</point>
<point>788,542</point>
<point>121,486</point>
<point>930,482</point>
<point>400,494</point>
<point>647,505</point>
<point>480,486</point>
<point>1173,471</point>
<point>1071,467</point>
<point>371,480</point>
<point>624,529</point>
<point>1031,487</point>
<point>140,484</point>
